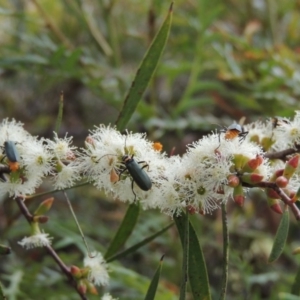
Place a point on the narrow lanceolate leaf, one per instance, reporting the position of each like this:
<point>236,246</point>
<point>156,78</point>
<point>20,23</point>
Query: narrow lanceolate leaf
<point>135,247</point>
<point>281,236</point>
<point>197,271</point>
<point>144,73</point>
<point>60,112</point>
<point>296,285</point>
<point>2,296</point>
<point>154,283</point>
<point>124,230</point>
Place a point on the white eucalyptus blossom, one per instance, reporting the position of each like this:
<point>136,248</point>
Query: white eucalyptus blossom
<point>65,169</point>
<point>61,148</point>
<point>107,296</point>
<point>287,133</point>
<point>37,240</point>
<point>98,273</point>
<point>67,176</point>
<point>33,165</point>
<point>103,156</point>
<point>13,131</point>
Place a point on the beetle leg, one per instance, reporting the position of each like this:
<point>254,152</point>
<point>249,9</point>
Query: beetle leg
<point>243,135</point>
<point>146,165</point>
<point>122,171</point>
<point>219,136</point>
<point>132,182</point>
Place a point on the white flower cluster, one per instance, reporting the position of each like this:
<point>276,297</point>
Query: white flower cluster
<point>199,180</point>
<point>98,273</point>
<point>40,239</point>
<point>38,158</point>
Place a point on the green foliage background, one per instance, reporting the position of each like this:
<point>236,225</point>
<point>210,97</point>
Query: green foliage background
<point>223,60</point>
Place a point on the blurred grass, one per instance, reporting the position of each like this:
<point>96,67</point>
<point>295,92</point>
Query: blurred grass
<point>223,60</point>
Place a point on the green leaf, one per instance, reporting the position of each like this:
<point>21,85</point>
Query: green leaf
<point>154,283</point>
<point>138,245</point>
<point>2,296</point>
<point>197,272</point>
<point>296,285</point>
<point>280,238</point>
<point>124,230</point>
<point>144,73</point>
<point>60,112</point>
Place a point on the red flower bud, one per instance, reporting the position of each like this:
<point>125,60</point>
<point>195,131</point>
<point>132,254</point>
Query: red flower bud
<point>82,287</point>
<point>279,172</point>
<point>272,194</point>
<point>291,167</point>
<point>238,195</point>
<point>252,178</point>
<point>281,181</point>
<point>253,164</point>
<point>275,206</point>
<point>75,271</point>
<point>44,207</point>
<point>233,180</point>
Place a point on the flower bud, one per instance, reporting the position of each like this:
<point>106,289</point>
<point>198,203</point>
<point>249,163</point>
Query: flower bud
<point>291,167</point>
<point>279,172</point>
<point>76,272</point>
<point>253,164</point>
<point>266,143</point>
<point>252,178</point>
<point>272,194</point>
<point>238,195</point>
<point>82,288</point>
<point>59,166</point>
<point>275,206</point>
<point>239,161</point>
<point>282,181</point>
<point>233,180</point>
<point>295,196</point>
<point>92,289</point>
<point>44,207</point>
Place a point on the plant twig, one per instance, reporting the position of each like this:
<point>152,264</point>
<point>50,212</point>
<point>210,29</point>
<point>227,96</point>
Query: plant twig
<point>225,252</point>
<point>282,154</point>
<point>51,251</point>
<point>283,196</point>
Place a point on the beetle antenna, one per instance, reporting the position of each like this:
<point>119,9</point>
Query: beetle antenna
<point>78,226</point>
<point>106,155</point>
<point>125,142</point>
